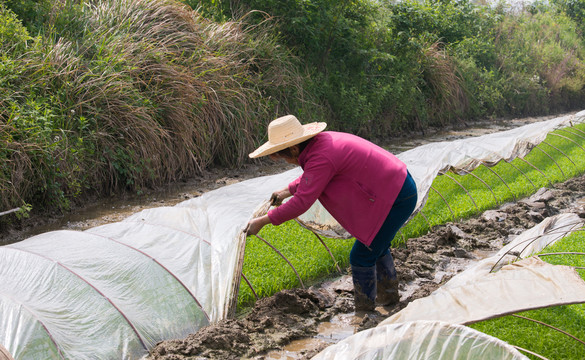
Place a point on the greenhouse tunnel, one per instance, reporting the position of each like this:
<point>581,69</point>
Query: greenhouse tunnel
<point>114,291</point>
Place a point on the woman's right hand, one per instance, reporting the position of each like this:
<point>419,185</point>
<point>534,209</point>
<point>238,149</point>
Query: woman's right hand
<point>278,196</point>
<point>255,225</point>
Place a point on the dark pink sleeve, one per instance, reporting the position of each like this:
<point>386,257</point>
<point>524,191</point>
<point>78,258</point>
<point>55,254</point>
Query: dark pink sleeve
<point>292,187</point>
<point>317,174</point>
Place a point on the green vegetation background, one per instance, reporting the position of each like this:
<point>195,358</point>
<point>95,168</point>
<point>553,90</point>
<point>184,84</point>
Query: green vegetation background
<point>100,97</point>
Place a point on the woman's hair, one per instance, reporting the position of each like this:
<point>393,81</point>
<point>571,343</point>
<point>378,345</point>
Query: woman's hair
<point>288,153</point>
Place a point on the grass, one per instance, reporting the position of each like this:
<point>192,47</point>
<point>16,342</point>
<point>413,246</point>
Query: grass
<point>127,95</point>
<point>269,273</point>
<point>570,318</point>
<point>501,183</point>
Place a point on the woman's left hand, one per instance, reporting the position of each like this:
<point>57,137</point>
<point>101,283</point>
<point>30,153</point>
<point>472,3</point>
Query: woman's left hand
<point>278,196</point>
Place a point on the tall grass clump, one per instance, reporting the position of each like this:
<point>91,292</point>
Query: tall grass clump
<point>116,95</point>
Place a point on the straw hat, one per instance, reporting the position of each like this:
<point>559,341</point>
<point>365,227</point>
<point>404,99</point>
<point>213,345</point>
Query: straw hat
<point>287,131</point>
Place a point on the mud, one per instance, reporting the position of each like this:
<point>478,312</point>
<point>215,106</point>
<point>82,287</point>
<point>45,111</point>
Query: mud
<point>299,323</point>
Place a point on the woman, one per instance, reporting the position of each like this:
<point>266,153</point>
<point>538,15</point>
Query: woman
<point>364,187</point>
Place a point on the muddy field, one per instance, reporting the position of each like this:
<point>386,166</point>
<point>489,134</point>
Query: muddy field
<point>299,323</point>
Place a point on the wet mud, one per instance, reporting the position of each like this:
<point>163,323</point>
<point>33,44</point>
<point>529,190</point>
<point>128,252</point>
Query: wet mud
<point>299,323</point>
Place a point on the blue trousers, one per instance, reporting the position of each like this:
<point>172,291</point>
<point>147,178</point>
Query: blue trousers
<point>362,255</point>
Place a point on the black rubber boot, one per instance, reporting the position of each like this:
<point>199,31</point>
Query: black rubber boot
<point>387,287</point>
<point>364,287</point>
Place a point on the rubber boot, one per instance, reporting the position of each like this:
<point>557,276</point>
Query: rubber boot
<point>387,287</point>
<point>364,287</point>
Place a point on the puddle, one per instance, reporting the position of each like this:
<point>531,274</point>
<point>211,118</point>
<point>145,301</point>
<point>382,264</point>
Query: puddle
<point>295,349</point>
<point>341,326</point>
<point>344,325</point>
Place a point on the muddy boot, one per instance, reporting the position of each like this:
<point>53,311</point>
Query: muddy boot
<point>387,287</point>
<point>364,287</point>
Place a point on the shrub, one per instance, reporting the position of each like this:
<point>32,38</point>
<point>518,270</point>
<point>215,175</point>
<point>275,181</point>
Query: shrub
<point>543,58</point>
<point>133,94</point>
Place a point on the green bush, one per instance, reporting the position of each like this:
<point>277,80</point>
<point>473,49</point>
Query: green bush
<point>33,14</point>
<point>575,9</point>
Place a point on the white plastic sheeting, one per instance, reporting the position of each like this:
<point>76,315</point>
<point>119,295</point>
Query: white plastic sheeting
<point>67,294</point>
<point>115,290</point>
<point>477,294</point>
<point>422,340</point>
<point>462,156</point>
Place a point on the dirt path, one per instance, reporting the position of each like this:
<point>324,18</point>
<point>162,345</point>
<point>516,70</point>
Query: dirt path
<point>423,264</point>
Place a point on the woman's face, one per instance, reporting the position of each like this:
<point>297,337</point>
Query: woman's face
<point>294,159</point>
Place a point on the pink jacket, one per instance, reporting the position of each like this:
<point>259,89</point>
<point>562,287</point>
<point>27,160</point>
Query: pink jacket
<point>354,179</point>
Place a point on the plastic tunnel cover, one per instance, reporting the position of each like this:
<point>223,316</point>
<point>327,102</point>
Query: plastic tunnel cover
<point>477,294</point>
<point>420,340</point>
<point>73,313</point>
<point>97,290</point>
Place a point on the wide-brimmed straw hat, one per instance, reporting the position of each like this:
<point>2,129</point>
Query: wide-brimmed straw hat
<point>287,131</point>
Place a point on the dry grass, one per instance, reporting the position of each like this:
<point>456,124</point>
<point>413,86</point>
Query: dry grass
<point>143,93</point>
<point>448,102</point>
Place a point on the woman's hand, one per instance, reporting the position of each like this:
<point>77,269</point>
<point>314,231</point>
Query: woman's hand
<point>278,196</point>
<point>256,224</point>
